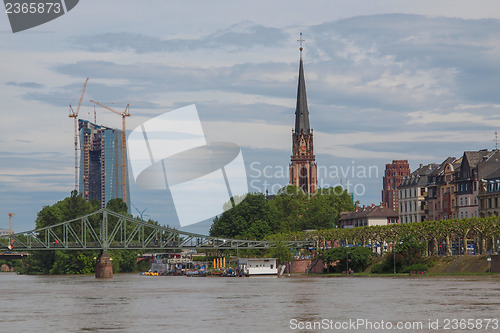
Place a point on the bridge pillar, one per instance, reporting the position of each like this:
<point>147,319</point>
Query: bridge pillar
<point>104,267</point>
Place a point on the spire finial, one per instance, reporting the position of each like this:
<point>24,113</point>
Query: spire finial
<point>301,41</point>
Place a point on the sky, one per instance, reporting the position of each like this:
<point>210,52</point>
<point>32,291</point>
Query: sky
<point>386,80</point>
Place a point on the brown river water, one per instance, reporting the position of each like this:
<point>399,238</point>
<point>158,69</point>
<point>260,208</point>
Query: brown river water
<point>134,303</point>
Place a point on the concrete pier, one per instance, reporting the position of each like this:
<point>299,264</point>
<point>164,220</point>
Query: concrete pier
<point>104,267</point>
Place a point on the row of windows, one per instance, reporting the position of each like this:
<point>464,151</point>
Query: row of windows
<point>410,206</point>
<point>412,218</point>
<point>493,187</point>
<point>465,201</point>
<point>463,187</point>
<point>489,203</point>
<point>410,192</point>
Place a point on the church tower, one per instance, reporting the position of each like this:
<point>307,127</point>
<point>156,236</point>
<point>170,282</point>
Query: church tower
<point>303,169</point>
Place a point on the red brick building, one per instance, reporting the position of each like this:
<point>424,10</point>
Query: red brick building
<point>394,173</point>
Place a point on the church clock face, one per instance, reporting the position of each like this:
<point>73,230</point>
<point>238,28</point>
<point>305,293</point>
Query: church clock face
<point>302,148</point>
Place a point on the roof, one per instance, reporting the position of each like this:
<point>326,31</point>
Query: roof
<point>489,167</point>
<point>370,211</point>
<point>474,157</point>
<point>301,111</point>
<point>419,176</point>
<point>493,175</point>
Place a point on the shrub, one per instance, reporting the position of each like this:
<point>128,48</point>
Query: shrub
<point>415,267</point>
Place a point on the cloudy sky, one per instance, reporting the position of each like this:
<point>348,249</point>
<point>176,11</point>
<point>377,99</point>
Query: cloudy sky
<point>416,80</point>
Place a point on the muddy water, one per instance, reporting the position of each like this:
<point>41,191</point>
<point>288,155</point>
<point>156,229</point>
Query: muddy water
<point>133,303</point>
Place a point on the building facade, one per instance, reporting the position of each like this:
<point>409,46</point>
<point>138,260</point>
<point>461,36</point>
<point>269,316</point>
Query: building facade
<point>367,216</point>
<point>412,194</point>
<point>394,173</point>
<point>489,195</point>
<point>303,169</point>
<point>441,191</point>
<point>101,162</point>
<point>476,165</point>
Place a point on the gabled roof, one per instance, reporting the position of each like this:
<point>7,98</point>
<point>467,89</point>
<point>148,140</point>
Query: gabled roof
<point>370,211</point>
<point>489,165</point>
<point>474,157</point>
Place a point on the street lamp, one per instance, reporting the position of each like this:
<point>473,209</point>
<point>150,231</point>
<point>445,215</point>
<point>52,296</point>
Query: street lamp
<point>394,254</point>
<point>347,271</point>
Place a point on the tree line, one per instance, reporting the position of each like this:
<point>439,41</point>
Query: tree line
<point>437,237</point>
<point>291,210</point>
<point>77,262</point>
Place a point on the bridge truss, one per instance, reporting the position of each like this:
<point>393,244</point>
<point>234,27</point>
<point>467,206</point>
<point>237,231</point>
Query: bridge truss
<point>107,230</point>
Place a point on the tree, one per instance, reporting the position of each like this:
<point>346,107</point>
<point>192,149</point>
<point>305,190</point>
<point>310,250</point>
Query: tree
<point>289,207</point>
<point>280,251</point>
<point>336,258</point>
<point>76,262</point>
<point>251,219</point>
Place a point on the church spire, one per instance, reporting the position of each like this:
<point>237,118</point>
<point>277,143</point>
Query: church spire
<point>301,111</point>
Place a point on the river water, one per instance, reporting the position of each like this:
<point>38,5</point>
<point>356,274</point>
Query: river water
<point>134,303</point>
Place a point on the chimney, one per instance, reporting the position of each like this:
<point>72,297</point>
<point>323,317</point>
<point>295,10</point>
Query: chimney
<point>373,205</point>
<point>364,207</point>
<point>421,165</point>
<point>381,204</point>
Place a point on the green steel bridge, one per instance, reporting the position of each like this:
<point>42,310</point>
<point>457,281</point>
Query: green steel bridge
<point>106,230</point>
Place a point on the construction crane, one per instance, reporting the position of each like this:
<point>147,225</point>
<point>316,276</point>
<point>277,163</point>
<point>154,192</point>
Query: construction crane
<point>10,222</point>
<point>124,146</point>
<point>74,115</point>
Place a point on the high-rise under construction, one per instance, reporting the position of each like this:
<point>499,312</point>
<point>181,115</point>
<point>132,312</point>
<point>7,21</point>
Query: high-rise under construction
<point>101,161</point>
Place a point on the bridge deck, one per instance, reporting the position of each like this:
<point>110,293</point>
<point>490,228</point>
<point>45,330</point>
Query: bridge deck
<point>107,230</point>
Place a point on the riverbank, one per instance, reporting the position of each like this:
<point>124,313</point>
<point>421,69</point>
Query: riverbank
<point>438,265</point>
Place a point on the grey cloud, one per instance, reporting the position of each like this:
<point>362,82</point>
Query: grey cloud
<point>416,43</point>
<point>368,48</point>
<point>237,36</point>
<point>32,85</point>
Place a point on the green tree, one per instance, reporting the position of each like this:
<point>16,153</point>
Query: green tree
<point>281,251</point>
<point>76,262</point>
<point>251,219</point>
<point>336,258</point>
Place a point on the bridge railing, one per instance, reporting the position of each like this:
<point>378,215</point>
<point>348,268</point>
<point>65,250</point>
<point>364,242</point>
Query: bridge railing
<point>107,230</point>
